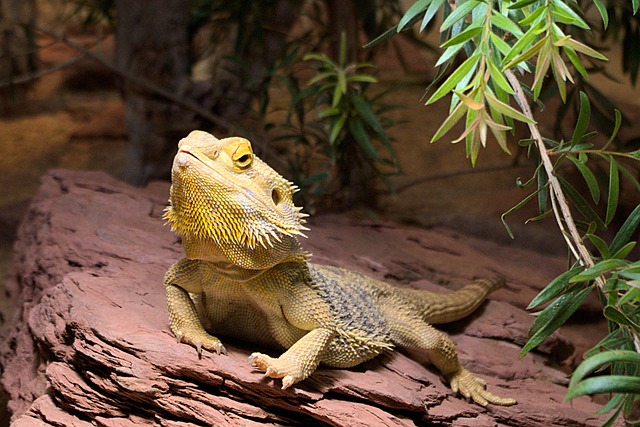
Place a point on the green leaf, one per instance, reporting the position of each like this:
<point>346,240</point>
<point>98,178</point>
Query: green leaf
<point>626,231</point>
<point>336,127</point>
<point>605,384</point>
<point>629,176</point>
<point>505,24</point>
<point>589,178</point>
<point>575,19</point>
<point>554,316</point>
<point>459,13</point>
<point>603,12</point>
<point>580,203</point>
<point>519,46</point>
<point>583,119</point>
<point>454,78</point>
<point>616,128</point>
<point>542,66</point>
<point>599,269</point>
<point>449,53</point>
<point>583,48</point>
<point>498,77</point>
<point>614,190</point>
<point>328,112</point>
<point>364,111</point>
<point>430,13</point>
<point>573,57</point>
<point>600,244</point>
<point>412,13</point>
<point>554,288</point>
<point>506,109</point>
<point>356,128</point>
<point>364,78</point>
<point>520,4</point>
<point>531,19</point>
<point>467,34</point>
<point>502,46</point>
<point>594,362</point>
<point>450,121</point>
<point>624,251</point>
<point>635,6</point>
<point>615,315</point>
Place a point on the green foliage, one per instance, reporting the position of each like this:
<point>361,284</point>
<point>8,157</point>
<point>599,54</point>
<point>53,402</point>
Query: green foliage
<point>580,176</point>
<point>349,125</point>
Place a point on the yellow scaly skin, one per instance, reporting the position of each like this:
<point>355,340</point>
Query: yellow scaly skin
<point>245,275</point>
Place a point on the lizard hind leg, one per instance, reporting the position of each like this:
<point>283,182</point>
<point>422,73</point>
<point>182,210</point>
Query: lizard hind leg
<point>409,331</point>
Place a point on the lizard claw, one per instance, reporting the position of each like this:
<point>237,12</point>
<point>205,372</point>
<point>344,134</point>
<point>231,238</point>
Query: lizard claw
<point>200,341</point>
<point>276,368</point>
<point>472,387</point>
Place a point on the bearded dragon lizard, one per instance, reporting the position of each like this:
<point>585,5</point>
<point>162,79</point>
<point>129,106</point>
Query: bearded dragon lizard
<point>245,275</point>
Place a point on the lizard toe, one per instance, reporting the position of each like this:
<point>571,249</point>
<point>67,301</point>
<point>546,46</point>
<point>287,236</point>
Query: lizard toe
<point>474,388</point>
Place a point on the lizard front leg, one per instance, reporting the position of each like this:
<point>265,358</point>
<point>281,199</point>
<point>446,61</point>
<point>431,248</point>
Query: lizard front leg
<point>299,361</point>
<point>413,333</point>
<point>182,278</point>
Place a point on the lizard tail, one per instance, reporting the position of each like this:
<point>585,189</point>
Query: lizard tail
<point>437,308</point>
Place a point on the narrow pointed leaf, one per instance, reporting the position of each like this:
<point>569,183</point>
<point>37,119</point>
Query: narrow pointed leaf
<point>554,288</point>
<point>459,13</point>
<point>506,109</point>
<point>358,131</point>
<point>603,12</point>
<point>450,121</point>
<point>626,231</point>
<point>506,24</point>
<point>599,269</point>
<point>575,19</point>
<point>605,384</point>
<point>464,68</point>
<point>614,190</point>
<point>521,44</point>
<point>600,244</point>
<point>583,119</point>
<point>498,77</point>
<point>581,204</point>
<point>554,316</point>
<point>531,19</point>
<point>589,178</point>
<point>583,48</point>
<point>467,34</point>
<point>615,315</point>
<point>412,13</point>
<point>430,13</point>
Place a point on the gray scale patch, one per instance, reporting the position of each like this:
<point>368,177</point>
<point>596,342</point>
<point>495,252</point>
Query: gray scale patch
<point>353,306</point>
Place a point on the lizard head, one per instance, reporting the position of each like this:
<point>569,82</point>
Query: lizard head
<point>227,204</point>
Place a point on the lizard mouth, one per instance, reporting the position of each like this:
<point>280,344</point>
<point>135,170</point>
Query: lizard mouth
<point>185,157</point>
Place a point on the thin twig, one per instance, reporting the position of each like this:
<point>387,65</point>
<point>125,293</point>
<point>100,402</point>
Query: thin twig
<point>423,179</point>
<point>143,83</point>
<point>563,216</point>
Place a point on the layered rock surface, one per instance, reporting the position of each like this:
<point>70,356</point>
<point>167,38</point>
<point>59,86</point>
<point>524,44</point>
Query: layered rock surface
<point>91,345</point>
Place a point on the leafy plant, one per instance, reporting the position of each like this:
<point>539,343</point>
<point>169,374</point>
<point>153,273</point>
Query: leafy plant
<point>349,127</point>
<point>503,43</point>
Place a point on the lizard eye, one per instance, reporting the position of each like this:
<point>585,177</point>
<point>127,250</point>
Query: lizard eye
<point>242,158</point>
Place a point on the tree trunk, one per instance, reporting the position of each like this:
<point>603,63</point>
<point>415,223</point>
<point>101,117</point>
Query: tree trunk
<point>343,18</point>
<point>152,43</point>
<point>17,50</point>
